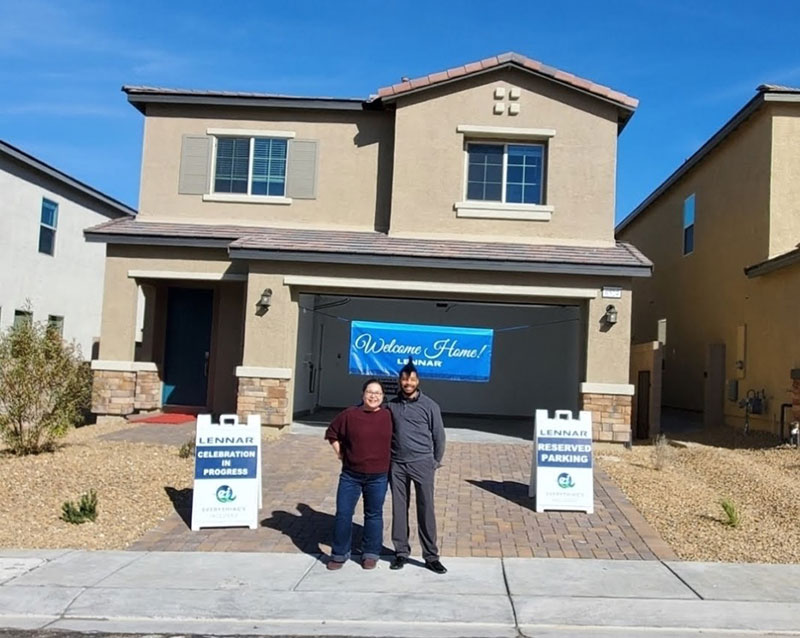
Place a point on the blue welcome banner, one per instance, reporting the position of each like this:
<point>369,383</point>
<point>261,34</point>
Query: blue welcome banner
<point>439,352</point>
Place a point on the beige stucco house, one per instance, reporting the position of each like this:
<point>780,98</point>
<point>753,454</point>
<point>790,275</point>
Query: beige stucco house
<point>478,196</point>
<point>723,234</point>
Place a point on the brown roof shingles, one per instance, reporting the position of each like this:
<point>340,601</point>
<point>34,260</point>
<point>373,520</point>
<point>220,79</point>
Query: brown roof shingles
<point>375,243</point>
<point>506,58</point>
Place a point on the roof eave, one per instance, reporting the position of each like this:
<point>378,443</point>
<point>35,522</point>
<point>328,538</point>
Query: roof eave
<point>441,262</point>
<point>141,100</point>
<point>771,265</point>
<point>117,208</point>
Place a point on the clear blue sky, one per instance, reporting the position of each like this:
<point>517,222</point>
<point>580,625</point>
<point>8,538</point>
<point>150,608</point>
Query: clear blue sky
<point>692,64</point>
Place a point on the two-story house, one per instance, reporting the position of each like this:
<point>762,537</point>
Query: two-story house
<point>723,233</point>
<point>479,196</point>
<point>47,272</point>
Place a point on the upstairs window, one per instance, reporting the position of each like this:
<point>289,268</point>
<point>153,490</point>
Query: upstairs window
<point>688,225</point>
<point>47,227</point>
<point>506,173</point>
<point>250,166</point>
<point>22,317</point>
<point>55,325</point>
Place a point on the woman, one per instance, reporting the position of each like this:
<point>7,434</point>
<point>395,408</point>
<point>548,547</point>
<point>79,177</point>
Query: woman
<point>361,437</point>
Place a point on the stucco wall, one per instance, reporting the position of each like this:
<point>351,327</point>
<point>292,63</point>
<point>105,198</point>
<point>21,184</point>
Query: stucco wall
<point>430,159</point>
<point>705,296</point>
<point>69,283</point>
<point>351,194</point>
<point>784,230</point>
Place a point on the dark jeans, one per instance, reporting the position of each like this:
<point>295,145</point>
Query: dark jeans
<point>351,486</point>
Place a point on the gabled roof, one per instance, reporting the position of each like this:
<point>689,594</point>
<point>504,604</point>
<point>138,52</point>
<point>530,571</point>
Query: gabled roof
<point>505,60</point>
<point>371,247</point>
<point>111,207</point>
<point>140,96</point>
<point>764,93</point>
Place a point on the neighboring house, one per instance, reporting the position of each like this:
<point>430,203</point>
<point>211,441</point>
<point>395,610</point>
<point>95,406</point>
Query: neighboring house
<point>480,196</point>
<point>723,233</point>
<point>48,272</point>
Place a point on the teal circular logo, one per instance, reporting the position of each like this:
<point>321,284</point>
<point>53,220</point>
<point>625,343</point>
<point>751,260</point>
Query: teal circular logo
<point>565,481</point>
<point>225,494</point>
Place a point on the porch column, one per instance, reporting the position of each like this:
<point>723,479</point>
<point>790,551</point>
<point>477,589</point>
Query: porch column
<point>607,392</point>
<point>270,343</point>
<point>121,385</point>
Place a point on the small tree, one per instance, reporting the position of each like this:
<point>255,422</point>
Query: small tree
<point>44,387</point>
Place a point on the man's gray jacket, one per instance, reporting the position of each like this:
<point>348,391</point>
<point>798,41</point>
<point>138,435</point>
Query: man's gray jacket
<point>418,429</point>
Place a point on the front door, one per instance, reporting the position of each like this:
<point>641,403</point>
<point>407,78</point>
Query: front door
<point>187,346</point>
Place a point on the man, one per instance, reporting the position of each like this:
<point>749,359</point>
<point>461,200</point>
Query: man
<point>361,439</point>
<point>417,451</point>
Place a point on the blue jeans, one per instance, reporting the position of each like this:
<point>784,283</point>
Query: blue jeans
<point>351,486</point>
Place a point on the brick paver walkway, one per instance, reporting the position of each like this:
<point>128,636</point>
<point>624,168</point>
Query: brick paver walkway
<point>482,507</point>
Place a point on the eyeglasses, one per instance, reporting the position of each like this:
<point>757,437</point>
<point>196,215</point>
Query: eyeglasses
<point>373,394</point>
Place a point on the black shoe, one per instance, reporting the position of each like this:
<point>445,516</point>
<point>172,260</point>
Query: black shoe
<point>436,567</point>
<point>399,562</point>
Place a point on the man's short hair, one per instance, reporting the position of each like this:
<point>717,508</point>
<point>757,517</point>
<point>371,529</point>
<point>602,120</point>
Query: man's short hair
<point>408,368</point>
<point>369,382</point>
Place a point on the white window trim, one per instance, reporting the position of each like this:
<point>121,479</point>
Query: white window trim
<point>245,198</point>
<point>499,210</point>
<point>249,132</point>
<point>506,132</point>
<point>487,209</point>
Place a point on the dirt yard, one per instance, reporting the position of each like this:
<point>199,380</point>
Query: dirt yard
<point>137,482</point>
<point>683,499</point>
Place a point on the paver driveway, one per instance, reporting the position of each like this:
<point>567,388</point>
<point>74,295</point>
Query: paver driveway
<point>481,500</point>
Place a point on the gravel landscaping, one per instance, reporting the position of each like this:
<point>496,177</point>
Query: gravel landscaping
<point>136,482</point>
<point>682,500</point>
<point>132,480</point>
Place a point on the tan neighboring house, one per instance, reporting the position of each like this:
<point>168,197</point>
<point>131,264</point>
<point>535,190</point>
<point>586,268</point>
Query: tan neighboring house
<point>723,233</point>
<point>482,196</point>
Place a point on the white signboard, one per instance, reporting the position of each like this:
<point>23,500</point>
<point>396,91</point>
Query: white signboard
<point>227,472</point>
<point>561,472</point>
<point>612,292</point>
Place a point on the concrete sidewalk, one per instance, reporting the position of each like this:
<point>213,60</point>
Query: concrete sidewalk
<point>293,594</point>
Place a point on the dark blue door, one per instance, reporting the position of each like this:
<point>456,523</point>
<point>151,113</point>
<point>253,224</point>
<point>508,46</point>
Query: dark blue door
<point>187,346</point>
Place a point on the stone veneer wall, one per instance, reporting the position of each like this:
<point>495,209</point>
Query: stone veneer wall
<point>113,392</point>
<point>148,390</point>
<point>264,396</point>
<point>611,416</point>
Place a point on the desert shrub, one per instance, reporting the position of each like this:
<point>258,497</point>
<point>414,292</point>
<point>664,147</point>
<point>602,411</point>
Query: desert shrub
<point>662,452</point>
<point>731,512</point>
<point>187,449</point>
<point>84,510</point>
<point>45,387</point>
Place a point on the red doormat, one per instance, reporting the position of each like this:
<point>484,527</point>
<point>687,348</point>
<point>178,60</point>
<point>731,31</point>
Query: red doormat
<point>172,418</point>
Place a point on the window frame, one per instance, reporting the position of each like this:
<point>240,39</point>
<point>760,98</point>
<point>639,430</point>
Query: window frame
<point>53,228</point>
<point>251,135</point>
<point>56,322</point>
<point>493,209</point>
<point>21,316</point>
<point>686,226</point>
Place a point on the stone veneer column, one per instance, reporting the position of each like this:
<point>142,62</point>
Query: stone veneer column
<point>148,390</point>
<point>611,407</point>
<point>264,391</point>
<point>122,387</point>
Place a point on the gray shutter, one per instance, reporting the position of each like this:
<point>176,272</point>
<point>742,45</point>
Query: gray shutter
<point>195,165</point>
<point>301,169</point>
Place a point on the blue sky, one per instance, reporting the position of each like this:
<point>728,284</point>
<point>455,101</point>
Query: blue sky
<point>692,64</point>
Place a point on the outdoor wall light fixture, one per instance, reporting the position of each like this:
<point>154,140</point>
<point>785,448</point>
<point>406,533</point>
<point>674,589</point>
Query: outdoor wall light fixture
<point>263,303</point>
<point>611,315</point>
